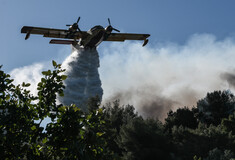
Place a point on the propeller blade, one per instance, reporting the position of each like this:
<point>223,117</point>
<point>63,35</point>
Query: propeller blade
<point>116,30</point>
<point>79,29</point>
<point>78,19</point>
<point>68,25</point>
<point>109,21</point>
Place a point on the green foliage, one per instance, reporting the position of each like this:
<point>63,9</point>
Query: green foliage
<point>181,117</point>
<point>115,117</point>
<point>200,141</point>
<point>195,158</point>
<point>229,123</point>
<point>19,132</point>
<point>93,103</point>
<point>119,115</point>
<point>216,106</point>
<point>71,134</point>
<point>217,154</point>
<point>144,139</point>
<point>76,135</point>
<point>48,88</point>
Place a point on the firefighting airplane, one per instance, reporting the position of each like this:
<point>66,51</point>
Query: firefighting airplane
<point>86,39</point>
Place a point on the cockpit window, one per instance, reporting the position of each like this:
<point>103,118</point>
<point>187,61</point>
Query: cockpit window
<point>97,27</point>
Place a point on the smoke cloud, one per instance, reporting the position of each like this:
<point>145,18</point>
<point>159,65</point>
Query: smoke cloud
<point>230,78</point>
<point>29,74</point>
<point>154,78</point>
<point>167,76</point>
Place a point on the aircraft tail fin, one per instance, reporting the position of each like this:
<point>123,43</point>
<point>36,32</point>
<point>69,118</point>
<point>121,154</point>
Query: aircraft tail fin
<point>58,41</point>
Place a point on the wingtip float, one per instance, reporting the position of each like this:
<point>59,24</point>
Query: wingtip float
<point>88,39</point>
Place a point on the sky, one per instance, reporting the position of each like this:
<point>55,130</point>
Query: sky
<point>191,50</point>
<point>166,21</point>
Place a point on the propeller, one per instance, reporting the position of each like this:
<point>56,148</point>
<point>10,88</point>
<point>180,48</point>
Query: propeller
<point>75,25</point>
<point>112,27</point>
<point>78,19</point>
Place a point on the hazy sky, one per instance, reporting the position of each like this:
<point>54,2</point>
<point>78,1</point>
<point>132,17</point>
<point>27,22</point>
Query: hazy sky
<point>166,20</point>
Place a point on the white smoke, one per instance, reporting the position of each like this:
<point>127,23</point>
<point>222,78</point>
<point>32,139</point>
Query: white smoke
<point>29,74</point>
<point>152,78</point>
<point>167,76</point>
<point>83,79</point>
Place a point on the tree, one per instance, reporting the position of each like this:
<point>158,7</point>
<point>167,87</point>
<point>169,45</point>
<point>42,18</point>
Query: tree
<point>70,134</point>
<point>118,115</point>
<point>77,135</point>
<point>19,132</point>
<point>215,106</point>
<point>199,141</point>
<point>181,117</point>
<point>144,139</point>
<point>217,154</point>
<point>229,124</point>
<point>115,117</point>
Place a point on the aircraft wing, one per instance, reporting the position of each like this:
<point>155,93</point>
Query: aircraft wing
<point>126,36</point>
<point>53,33</point>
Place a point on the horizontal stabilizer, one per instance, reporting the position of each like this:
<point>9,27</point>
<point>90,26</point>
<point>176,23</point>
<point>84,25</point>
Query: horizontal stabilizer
<point>57,41</point>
